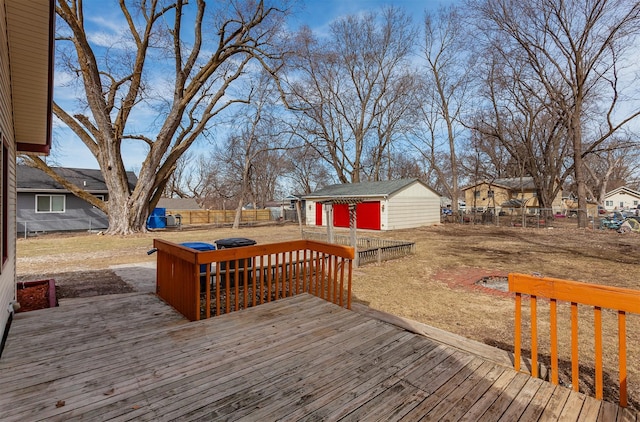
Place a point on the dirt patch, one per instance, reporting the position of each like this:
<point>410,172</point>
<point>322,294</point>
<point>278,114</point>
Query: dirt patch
<point>472,279</point>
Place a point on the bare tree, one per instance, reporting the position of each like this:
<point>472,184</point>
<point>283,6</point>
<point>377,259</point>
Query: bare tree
<point>256,140</point>
<point>517,118</point>
<point>212,183</point>
<point>199,66</point>
<point>342,88</point>
<point>177,185</point>
<point>308,171</point>
<point>446,89</point>
<point>577,51</point>
<point>611,166</point>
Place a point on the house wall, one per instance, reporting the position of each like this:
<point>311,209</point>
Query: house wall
<point>621,200</point>
<point>413,206</point>
<point>7,268</point>
<point>78,215</point>
<point>501,195</point>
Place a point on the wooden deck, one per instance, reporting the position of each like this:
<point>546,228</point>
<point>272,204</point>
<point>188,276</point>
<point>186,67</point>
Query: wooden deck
<point>131,357</point>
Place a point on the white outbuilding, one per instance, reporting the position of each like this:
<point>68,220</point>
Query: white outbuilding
<point>387,205</point>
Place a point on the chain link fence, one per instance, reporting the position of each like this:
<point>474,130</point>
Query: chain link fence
<point>26,228</point>
<point>527,217</point>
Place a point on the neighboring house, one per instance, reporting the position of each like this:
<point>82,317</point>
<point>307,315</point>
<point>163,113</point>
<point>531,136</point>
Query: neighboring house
<point>44,205</point>
<point>26,75</point>
<point>505,193</point>
<point>621,198</point>
<point>388,205</point>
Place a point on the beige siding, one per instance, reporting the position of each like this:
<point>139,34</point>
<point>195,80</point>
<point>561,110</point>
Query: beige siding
<point>7,275</point>
<point>414,206</point>
<point>484,200</point>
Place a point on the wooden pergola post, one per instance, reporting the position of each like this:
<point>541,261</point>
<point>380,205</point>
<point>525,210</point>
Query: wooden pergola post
<point>353,233</point>
<point>328,213</point>
<point>299,214</point>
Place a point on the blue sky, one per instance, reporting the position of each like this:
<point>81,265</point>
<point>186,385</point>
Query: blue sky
<point>68,151</point>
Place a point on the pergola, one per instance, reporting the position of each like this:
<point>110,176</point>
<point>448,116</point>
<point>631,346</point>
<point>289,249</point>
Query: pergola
<point>352,202</point>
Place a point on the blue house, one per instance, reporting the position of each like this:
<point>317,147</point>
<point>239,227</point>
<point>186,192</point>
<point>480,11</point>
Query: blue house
<point>43,205</point>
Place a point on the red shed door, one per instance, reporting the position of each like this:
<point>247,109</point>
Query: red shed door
<point>318,214</point>
<point>341,215</point>
<point>368,215</point>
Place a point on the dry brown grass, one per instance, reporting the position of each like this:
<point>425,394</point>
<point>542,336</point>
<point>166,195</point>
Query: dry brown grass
<point>417,286</point>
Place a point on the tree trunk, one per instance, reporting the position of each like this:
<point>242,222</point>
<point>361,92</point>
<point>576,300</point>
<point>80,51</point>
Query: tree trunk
<point>575,130</point>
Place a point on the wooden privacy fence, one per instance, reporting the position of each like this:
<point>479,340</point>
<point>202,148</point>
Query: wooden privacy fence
<point>195,217</point>
<point>200,284</point>
<point>621,300</point>
<point>370,249</point>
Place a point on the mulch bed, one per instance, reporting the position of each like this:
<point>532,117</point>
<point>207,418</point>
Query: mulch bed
<point>33,298</point>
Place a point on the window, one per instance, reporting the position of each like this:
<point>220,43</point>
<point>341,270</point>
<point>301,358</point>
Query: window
<point>100,197</point>
<point>608,203</point>
<point>50,203</point>
<point>489,194</point>
<point>635,203</point>
<point>477,194</point>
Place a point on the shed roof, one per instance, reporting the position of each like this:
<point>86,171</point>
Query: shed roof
<point>30,179</point>
<point>357,192</point>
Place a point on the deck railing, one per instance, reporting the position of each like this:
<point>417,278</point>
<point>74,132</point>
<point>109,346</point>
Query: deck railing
<point>621,300</point>
<point>201,284</point>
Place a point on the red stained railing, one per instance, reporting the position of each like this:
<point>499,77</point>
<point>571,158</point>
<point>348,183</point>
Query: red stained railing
<point>621,300</point>
<point>201,284</point>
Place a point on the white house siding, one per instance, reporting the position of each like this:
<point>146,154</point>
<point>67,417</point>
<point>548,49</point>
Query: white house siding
<point>310,213</point>
<point>8,270</point>
<point>621,201</point>
<point>413,206</point>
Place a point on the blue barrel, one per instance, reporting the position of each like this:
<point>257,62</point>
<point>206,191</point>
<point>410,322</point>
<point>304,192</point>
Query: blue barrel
<point>157,219</point>
<point>201,246</point>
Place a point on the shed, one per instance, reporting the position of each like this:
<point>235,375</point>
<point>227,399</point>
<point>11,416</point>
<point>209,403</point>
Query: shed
<point>386,205</point>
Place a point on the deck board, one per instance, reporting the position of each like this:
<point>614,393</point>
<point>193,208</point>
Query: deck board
<point>132,357</point>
